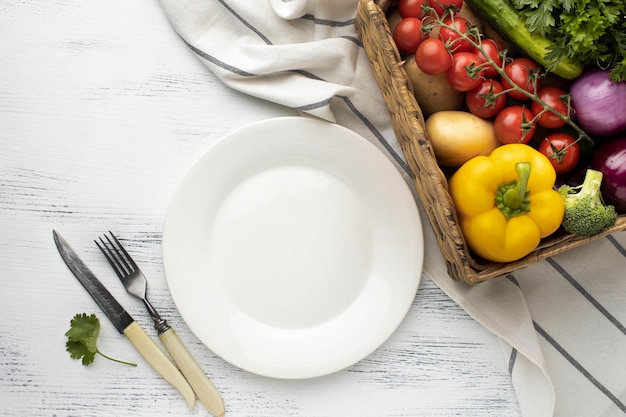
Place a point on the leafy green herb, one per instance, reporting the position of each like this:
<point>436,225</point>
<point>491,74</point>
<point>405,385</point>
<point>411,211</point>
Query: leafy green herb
<point>589,31</point>
<point>82,337</point>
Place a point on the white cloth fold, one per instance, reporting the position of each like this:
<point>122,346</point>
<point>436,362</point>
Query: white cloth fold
<point>561,323</point>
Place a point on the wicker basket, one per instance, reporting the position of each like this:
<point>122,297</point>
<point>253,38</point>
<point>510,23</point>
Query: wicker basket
<point>430,182</point>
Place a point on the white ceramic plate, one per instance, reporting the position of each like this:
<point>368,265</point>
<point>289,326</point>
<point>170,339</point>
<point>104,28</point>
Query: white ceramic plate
<point>293,248</point>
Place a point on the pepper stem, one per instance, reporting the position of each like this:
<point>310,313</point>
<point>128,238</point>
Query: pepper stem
<point>512,198</point>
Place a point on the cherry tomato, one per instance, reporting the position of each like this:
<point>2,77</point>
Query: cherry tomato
<point>432,57</point>
<point>552,97</point>
<point>457,42</point>
<point>562,150</point>
<point>492,50</point>
<point>463,74</point>
<point>513,125</point>
<point>481,100</point>
<point>411,8</point>
<point>408,34</point>
<point>439,6</point>
<point>521,71</point>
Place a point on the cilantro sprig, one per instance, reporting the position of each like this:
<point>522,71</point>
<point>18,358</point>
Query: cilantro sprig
<point>82,339</point>
<point>589,31</point>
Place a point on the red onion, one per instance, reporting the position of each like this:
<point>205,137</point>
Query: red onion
<point>610,159</point>
<point>599,104</point>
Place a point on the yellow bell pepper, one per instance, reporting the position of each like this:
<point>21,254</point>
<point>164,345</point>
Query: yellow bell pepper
<point>506,202</point>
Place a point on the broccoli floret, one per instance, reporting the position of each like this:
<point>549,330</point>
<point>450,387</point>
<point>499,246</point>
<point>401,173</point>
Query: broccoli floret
<point>585,211</point>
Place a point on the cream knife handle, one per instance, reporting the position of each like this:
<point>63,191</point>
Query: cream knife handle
<point>161,363</point>
<point>204,389</point>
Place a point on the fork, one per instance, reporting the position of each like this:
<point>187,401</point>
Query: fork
<point>136,284</point>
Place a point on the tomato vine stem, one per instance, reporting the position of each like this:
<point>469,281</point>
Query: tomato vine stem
<point>474,38</point>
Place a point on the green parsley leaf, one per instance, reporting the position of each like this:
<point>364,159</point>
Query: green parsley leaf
<point>79,350</point>
<point>82,338</point>
<point>593,32</point>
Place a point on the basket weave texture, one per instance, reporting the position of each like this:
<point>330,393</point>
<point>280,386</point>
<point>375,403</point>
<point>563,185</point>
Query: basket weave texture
<point>430,182</point>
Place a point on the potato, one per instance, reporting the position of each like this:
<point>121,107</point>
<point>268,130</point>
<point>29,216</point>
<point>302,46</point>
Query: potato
<point>433,93</point>
<point>458,136</point>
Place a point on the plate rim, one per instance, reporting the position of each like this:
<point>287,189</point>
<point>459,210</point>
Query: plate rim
<point>417,259</point>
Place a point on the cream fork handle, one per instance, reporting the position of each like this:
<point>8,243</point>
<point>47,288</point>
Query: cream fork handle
<point>157,359</point>
<point>204,389</point>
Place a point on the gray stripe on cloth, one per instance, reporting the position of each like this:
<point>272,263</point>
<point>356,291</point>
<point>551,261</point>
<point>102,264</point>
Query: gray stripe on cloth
<point>245,22</point>
<point>217,62</point>
<point>512,359</point>
<point>326,22</point>
<point>378,135</point>
<point>579,367</point>
<point>241,72</point>
<point>617,245</point>
<point>587,295</point>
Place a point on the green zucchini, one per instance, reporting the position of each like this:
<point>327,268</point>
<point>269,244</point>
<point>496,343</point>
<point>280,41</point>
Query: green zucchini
<point>507,21</point>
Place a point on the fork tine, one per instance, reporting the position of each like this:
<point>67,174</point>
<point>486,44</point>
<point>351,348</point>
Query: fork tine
<point>117,256</point>
<point>121,252</point>
<point>110,257</point>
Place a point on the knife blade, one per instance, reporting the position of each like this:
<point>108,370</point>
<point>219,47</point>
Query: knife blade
<point>123,322</point>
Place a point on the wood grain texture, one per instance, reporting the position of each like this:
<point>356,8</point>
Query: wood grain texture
<point>102,111</point>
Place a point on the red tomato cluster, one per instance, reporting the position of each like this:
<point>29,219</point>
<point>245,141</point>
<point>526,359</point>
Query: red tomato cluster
<point>477,73</point>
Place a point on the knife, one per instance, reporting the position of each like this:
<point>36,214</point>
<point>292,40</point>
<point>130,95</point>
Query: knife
<point>123,322</point>
<point>136,284</point>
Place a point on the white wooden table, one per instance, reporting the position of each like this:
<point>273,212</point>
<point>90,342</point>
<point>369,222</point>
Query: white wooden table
<point>102,111</point>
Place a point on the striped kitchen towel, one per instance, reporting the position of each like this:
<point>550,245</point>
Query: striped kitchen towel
<point>561,322</point>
